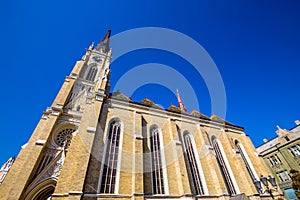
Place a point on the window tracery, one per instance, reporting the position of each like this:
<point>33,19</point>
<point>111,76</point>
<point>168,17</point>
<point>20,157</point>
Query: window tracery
<point>64,137</point>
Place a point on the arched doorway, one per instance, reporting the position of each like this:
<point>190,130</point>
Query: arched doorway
<point>42,191</point>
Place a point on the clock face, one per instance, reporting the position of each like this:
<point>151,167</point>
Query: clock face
<point>96,58</point>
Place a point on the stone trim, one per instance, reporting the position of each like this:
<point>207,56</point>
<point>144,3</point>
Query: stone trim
<point>40,142</point>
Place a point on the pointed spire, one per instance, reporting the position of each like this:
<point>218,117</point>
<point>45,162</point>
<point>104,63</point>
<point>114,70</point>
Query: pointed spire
<point>180,102</point>
<point>104,43</point>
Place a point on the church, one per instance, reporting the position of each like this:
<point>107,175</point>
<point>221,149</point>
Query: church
<point>92,144</point>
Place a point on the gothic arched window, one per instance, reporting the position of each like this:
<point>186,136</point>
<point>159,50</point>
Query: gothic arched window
<point>92,73</point>
<point>223,165</point>
<point>156,161</point>
<point>62,139</point>
<point>247,161</point>
<point>192,164</point>
<point>110,165</point>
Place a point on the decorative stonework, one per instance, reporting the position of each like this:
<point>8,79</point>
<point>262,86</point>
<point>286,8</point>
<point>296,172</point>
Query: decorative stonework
<point>64,137</point>
<point>55,167</point>
<point>100,95</point>
<point>51,152</point>
<point>40,142</point>
<point>91,129</point>
<point>5,168</point>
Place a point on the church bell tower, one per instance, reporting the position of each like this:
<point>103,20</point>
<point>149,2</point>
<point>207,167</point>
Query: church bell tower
<point>54,162</point>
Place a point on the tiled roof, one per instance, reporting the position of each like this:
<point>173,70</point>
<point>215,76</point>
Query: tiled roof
<point>120,96</point>
<point>174,108</point>
<point>148,102</point>
<point>219,119</point>
<point>198,114</point>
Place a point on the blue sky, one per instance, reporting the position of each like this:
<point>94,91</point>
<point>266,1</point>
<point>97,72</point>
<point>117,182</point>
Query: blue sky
<point>255,45</point>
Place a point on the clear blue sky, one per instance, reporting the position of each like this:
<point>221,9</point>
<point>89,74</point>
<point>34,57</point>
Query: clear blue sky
<point>255,45</point>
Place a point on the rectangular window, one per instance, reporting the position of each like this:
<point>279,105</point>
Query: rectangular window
<point>275,160</point>
<point>271,162</point>
<point>287,138</point>
<point>283,176</point>
<point>294,151</point>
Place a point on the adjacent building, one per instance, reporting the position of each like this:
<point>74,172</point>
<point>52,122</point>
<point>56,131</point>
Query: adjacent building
<point>5,168</point>
<point>281,154</point>
<point>93,144</point>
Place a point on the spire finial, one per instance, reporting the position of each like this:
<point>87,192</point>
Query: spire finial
<point>180,102</point>
<point>91,47</point>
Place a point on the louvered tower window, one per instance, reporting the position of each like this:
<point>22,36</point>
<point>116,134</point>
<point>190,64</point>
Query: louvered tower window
<point>192,164</point>
<point>92,73</point>
<point>157,170</point>
<point>223,167</point>
<point>109,172</point>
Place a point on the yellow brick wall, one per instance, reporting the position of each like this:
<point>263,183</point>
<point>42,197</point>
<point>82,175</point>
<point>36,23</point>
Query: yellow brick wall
<point>23,167</point>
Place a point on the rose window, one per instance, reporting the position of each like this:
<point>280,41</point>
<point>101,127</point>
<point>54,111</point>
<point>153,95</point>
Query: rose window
<point>64,137</point>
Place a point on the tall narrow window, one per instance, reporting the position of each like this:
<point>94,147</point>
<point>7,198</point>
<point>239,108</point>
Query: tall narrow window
<point>246,160</point>
<point>192,164</point>
<point>248,163</point>
<point>157,170</point>
<point>223,167</point>
<point>109,171</point>
<point>92,74</point>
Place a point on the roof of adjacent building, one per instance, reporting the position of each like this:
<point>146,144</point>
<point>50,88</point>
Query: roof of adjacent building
<point>283,137</point>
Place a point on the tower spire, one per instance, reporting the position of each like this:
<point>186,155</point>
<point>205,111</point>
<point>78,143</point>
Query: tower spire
<point>180,102</point>
<point>104,43</point>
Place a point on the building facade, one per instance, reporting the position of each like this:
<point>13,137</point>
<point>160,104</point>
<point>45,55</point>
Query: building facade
<point>5,168</point>
<point>281,154</point>
<point>93,144</point>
